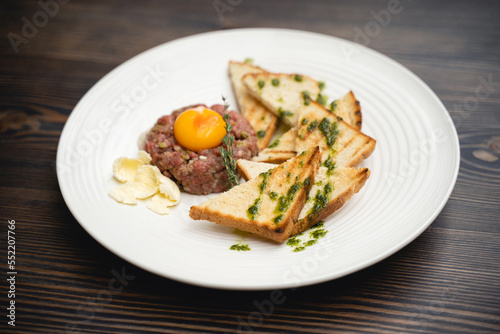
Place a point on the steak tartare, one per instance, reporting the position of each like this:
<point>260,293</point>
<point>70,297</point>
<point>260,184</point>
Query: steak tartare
<point>201,172</point>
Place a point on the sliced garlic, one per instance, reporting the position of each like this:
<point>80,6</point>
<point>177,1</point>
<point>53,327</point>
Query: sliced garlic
<point>160,203</point>
<point>144,157</point>
<point>143,181</point>
<point>123,194</point>
<point>169,189</point>
<point>124,169</point>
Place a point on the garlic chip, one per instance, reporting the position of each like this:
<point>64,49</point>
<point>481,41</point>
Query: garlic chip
<point>169,189</point>
<point>142,180</point>
<point>160,203</point>
<point>123,194</point>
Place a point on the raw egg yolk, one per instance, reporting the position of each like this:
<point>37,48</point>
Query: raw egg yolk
<point>199,129</point>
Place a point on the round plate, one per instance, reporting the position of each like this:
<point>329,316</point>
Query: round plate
<point>413,168</point>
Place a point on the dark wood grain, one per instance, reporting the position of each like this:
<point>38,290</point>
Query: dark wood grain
<point>446,281</point>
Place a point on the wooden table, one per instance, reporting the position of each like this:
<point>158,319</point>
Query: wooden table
<point>52,53</point>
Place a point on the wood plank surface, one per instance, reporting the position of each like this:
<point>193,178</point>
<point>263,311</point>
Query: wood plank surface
<point>446,281</point>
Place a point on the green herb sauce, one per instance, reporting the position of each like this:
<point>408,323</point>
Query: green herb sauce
<point>278,218</point>
<point>321,200</point>
<point>273,195</point>
<point>275,82</point>
<point>329,164</point>
<point>318,233</point>
<point>261,84</point>
<point>265,179</point>
<point>312,125</point>
<point>304,121</point>
<point>307,97</point>
<point>284,113</point>
<point>299,244</point>
<point>274,143</point>
<point>297,77</point>
<point>321,85</point>
<point>329,130</point>
<point>293,241</point>
<point>253,210</point>
<point>285,201</point>
<point>261,134</point>
<point>240,247</point>
<point>333,106</point>
<point>322,99</point>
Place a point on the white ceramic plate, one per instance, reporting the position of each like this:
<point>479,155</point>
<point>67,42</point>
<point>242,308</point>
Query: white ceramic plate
<point>413,168</point>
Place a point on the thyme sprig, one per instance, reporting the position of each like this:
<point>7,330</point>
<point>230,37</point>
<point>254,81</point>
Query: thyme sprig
<point>226,150</point>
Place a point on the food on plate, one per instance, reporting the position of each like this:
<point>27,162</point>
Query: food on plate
<point>199,129</point>
<point>200,171</point>
<point>282,93</point>
<point>329,192</point>
<point>332,132</point>
<point>140,180</point>
<point>262,120</point>
<point>280,150</point>
<point>267,205</point>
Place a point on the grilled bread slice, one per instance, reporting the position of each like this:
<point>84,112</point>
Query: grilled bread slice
<point>267,205</point>
<point>280,150</point>
<point>282,93</point>
<point>349,109</point>
<point>330,191</point>
<point>341,145</point>
<point>262,120</point>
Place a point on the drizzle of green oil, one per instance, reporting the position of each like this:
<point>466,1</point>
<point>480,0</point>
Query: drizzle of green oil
<point>307,97</point>
<point>285,201</point>
<point>274,143</point>
<point>240,247</point>
<point>321,200</point>
<point>333,105</point>
<point>275,82</point>
<point>322,99</point>
<point>265,179</point>
<point>284,113</point>
<point>329,130</point>
<point>253,210</point>
<point>312,125</point>
<point>261,134</point>
<point>297,77</point>
<point>299,244</point>
<point>318,233</point>
<point>261,84</point>
<point>329,164</point>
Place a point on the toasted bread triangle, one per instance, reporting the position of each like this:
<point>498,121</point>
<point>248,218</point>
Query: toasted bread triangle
<point>267,205</point>
<point>341,144</point>
<point>329,192</point>
<point>281,93</point>
<point>260,118</point>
